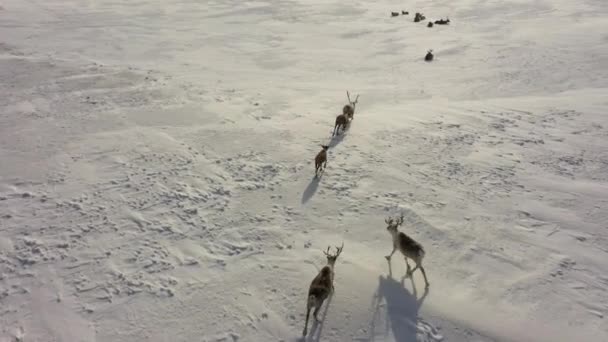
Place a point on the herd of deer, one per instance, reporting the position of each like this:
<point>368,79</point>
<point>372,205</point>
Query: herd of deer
<point>342,120</point>
<point>322,286</point>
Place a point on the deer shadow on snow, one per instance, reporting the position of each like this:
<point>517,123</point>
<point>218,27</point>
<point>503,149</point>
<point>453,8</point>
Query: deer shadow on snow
<point>401,307</point>
<point>339,136</point>
<point>311,188</point>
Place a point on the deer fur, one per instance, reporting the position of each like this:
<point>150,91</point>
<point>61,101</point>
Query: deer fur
<point>349,109</point>
<point>409,247</point>
<point>321,160</point>
<point>348,114</point>
<point>321,286</point>
<point>340,124</point>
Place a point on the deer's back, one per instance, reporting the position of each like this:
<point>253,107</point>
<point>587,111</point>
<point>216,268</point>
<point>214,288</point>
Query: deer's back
<point>321,156</point>
<point>321,285</point>
<point>409,247</point>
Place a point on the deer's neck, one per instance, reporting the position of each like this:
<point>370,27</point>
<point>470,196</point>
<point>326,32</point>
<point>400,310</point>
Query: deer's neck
<point>395,235</point>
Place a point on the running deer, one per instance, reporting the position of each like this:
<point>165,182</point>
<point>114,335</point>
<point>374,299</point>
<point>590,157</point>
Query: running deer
<point>322,286</point>
<point>407,246</point>
<point>349,109</point>
<point>321,160</point>
<point>348,114</point>
<point>340,124</point>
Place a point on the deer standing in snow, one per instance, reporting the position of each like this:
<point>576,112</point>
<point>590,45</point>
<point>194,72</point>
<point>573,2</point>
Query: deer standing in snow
<point>321,160</point>
<point>321,287</point>
<point>407,246</point>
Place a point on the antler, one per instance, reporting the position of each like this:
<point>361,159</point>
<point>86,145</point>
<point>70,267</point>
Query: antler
<point>391,221</point>
<point>400,220</point>
<point>349,100</point>
<point>339,249</point>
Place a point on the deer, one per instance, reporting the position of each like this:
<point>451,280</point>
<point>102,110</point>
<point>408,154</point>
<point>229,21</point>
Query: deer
<point>341,121</point>
<point>409,247</point>
<point>321,159</point>
<point>405,12</point>
<point>442,21</point>
<point>394,14</point>
<point>429,56</point>
<point>321,286</point>
<point>348,114</point>
<point>349,109</point>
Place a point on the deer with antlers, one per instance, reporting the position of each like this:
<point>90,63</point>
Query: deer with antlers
<point>407,246</point>
<point>349,109</point>
<point>321,287</point>
<point>348,114</point>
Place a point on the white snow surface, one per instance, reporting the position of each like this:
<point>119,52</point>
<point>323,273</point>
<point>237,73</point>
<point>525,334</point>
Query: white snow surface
<point>156,169</point>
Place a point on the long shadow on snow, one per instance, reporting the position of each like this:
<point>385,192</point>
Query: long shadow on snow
<point>337,139</point>
<point>401,308</point>
<point>311,189</point>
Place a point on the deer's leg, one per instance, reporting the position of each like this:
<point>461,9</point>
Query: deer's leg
<point>318,305</point>
<point>306,324</point>
<point>388,257</point>
<point>409,269</point>
<point>325,164</point>
<point>424,275</point>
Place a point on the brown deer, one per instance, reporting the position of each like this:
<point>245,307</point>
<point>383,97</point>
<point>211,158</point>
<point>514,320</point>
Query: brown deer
<point>407,246</point>
<point>321,287</point>
<point>349,109</point>
<point>341,121</point>
<point>321,160</point>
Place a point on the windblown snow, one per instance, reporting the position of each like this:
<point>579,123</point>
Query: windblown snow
<point>156,169</point>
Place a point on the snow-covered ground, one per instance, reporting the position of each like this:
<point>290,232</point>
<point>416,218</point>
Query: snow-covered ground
<point>156,169</point>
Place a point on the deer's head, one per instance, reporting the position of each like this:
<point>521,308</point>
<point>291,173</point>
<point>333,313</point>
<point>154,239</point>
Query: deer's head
<point>331,258</point>
<point>393,224</point>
